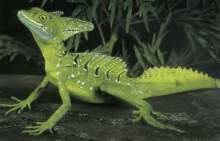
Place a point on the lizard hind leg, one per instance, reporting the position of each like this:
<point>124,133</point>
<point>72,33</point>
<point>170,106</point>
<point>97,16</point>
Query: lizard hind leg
<point>145,113</point>
<point>144,108</point>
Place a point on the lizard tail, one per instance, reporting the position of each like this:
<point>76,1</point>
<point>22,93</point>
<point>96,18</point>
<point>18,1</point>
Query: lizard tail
<point>166,80</point>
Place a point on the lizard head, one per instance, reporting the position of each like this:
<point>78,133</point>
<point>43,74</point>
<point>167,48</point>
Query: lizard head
<point>49,26</point>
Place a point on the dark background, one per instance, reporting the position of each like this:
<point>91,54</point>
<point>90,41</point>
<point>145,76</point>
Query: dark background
<point>10,25</point>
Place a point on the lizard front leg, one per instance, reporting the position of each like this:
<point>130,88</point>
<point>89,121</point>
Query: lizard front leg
<point>144,108</point>
<point>27,102</point>
<point>48,125</point>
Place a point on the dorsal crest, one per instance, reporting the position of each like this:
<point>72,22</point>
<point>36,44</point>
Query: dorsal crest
<point>57,13</point>
<point>100,65</point>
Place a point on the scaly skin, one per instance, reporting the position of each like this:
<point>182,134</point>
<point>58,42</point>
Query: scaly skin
<point>82,74</point>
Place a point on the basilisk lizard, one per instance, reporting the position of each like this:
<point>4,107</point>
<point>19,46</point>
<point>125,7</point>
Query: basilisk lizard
<point>82,75</point>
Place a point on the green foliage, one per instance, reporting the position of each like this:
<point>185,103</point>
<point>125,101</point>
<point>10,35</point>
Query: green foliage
<point>11,46</point>
<point>198,18</point>
<point>151,49</point>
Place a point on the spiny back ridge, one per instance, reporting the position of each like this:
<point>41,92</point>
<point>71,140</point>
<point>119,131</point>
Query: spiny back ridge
<point>176,75</point>
<point>100,65</point>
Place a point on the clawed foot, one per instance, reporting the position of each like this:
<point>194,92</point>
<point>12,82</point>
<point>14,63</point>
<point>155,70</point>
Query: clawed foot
<point>145,114</point>
<point>37,130</point>
<point>20,105</point>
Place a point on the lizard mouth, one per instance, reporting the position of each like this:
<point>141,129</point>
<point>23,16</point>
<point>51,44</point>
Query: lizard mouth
<point>23,17</point>
<point>39,29</point>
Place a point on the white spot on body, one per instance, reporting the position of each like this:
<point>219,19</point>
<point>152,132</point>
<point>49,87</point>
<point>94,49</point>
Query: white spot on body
<point>140,92</point>
<point>78,81</point>
<point>57,73</point>
<point>128,84</point>
<point>58,65</point>
<point>91,88</point>
<point>96,75</point>
<point>83,83</point>
<point>72,75</point>
<point>81,87</point>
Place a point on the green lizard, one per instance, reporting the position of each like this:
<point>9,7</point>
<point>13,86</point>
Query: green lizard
<point>82,75</point>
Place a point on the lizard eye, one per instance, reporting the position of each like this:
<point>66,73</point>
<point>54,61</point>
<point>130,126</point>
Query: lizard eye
<point>43,18</point>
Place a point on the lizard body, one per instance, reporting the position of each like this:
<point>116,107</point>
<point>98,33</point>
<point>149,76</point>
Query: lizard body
<point>82,75</point>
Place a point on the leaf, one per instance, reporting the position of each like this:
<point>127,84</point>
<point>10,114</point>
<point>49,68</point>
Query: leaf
<point>77,10</point>
<point>215,43</point>
<point>160,8</point>
<point>142,10</point>
<point>89,14</point>
<point>148,53</point>
<point>138,55</point>
<point>218,3</point>
<point>190,39</point>
<point>128,19</point>
<point>149,58</point>
<point>172,61</point>
<point>185,53</point>
<point>146,21</point>
<point>136,36</point>
<point>43,3</point>
<point>126,3</point>
<point>213,55</point>
<point>28,56</point>
<point>70,0</point>
<point>178,11</point>
<point>153,39</point>
<point>137,3</point>
<point>202,32</point>
<point>70,43</point>
<point>201,40</point>
<point>77,39</point>
<point>173,8</point>
<point>187,5</point>
<point>164,26</point>
<point>160,55</point>
<point>212,33</point>
<point>4,50</point>
<point>152,10</point>
<point>112,6</point>
<point>13,56</point>
<point>95,4</point>
<point>85,35</point>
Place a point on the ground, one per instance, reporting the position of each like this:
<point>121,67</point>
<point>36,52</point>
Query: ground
<point>197,112</point>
